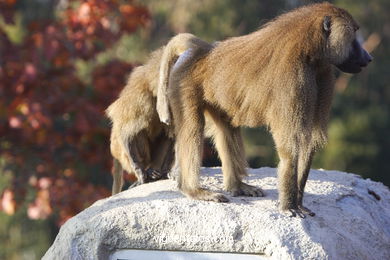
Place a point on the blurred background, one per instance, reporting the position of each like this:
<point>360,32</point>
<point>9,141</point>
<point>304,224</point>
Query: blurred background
<point>62,62</point>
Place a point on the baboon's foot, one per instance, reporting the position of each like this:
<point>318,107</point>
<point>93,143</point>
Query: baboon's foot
<point>243,189</point>
<point>202,194</point>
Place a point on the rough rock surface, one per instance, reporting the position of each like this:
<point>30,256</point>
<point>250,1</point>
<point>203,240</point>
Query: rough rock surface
<point>352,221</point>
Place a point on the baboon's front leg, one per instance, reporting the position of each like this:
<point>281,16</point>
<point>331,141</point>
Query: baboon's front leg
<point>139,157</point>
<point>288,181</point>
<point>117,174</point>
<point>169,158</point>
<point>162,159</point>
<point>304,163</point>
<point>228,141</point>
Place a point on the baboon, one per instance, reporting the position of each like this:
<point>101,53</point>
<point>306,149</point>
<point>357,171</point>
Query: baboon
<point>280,76</point>
<point>140,143</point>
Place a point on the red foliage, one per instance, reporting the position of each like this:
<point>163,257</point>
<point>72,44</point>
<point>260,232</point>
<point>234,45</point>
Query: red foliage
<point>53,134</point>
<point>91,30</point>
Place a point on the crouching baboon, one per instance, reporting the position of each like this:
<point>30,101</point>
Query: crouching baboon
<point>280,76</point>
<point>140,143</point>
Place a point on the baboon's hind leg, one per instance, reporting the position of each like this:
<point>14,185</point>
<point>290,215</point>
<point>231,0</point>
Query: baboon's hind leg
<point>189,147</point>
<point>174,172</point>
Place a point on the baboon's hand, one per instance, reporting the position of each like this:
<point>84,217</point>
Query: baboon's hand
<point>306,211</point>
<point>135,184</point>
<point>154,175</point>
<point>298,212</point>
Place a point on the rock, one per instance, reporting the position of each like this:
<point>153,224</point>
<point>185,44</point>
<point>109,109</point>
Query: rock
<point>352,221</point>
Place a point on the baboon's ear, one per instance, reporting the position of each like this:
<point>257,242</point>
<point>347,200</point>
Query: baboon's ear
<point>326,24</point>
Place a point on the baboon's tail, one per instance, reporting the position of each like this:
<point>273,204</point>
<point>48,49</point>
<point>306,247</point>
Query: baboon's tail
<point>175,47</point>
<point>117,175</point>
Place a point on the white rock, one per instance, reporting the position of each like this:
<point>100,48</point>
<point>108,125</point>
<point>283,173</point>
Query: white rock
<point>350,223</point>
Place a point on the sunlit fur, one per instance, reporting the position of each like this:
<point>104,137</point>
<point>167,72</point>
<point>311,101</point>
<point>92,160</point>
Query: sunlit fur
<point>139,140</point>
<point>280,76</point>
<point>342,31</point>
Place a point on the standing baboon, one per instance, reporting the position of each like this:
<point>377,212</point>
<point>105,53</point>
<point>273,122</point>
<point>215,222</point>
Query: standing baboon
<point>140,143</point>
<point>280,76</point>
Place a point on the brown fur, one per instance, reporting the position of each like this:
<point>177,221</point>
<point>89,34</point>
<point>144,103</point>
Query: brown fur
<point>175,47</point>
<point>140,142</point>
<point>280,76</point>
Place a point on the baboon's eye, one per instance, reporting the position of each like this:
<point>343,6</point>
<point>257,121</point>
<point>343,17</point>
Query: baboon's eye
<point>326,24</point>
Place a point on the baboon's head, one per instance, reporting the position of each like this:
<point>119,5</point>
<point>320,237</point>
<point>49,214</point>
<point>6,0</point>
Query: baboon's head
<point>343,48</point>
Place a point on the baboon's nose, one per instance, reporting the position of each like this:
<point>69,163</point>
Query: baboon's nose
<point>370,58</point>
<point>367,58</point>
